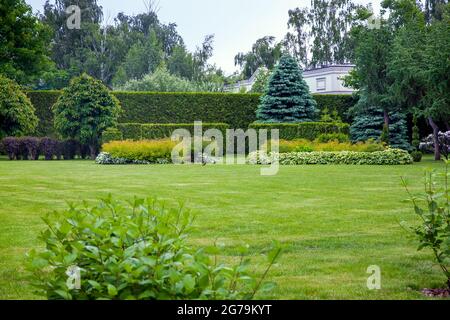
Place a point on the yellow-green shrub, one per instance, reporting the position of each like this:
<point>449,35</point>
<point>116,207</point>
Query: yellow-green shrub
<point>302,145</point>
<point>144,150</point>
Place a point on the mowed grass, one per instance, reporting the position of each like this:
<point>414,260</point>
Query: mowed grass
<point>334,220</point>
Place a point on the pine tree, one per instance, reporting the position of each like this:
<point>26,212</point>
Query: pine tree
<point>287,97</point>
<point>369,122</point>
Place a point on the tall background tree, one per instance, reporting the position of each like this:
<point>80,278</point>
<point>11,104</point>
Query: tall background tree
<point>24,43</point>
<point>320,35</point>
<point>265,53</point>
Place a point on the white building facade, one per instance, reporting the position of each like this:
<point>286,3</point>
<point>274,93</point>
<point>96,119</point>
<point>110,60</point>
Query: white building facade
<point>324,80</point>
<point>328,80</point>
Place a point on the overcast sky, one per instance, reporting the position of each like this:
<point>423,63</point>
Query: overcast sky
<point>237,24</point>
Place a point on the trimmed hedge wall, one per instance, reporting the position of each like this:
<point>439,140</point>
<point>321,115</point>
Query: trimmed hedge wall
<point>43,102</point>
<point>137,131</point>
<point>305,130</point>
<point>237,110</point>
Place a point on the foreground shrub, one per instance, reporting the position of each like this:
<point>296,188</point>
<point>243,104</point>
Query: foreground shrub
<point>17,114</point>
<point>136,250</point>
<point>152,151</point>
<point>433,208</point>
<point>387,157</point>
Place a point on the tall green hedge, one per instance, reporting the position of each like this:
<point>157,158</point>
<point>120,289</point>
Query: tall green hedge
<point>139,131</point>
<point>237,110</point>
<point>305,130</point>
<point>43,102</point>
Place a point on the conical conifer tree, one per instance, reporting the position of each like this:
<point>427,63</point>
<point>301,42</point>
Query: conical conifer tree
<point>287,97</point>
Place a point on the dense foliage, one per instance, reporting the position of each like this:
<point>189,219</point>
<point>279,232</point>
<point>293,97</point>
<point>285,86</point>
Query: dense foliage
<point>135,250</point>
<point>305,130</point>
<point>320,34</point>
<point>433,208</point>
<point>17,114</point>
<point>121,48</point>
<point>24,43</point>
<point>162,81</point>
<point>287,98</point>
<point>386,157</point>
<point>369,123</point>
<point>84,110</point>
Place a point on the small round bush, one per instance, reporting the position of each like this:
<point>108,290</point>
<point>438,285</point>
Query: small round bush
<point>17,114</point>
<point>417,156</point>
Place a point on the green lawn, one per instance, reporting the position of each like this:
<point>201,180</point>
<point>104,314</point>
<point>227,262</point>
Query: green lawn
<point>335,220</point>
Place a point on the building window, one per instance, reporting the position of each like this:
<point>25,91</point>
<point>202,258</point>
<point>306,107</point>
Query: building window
<point>321,84</point>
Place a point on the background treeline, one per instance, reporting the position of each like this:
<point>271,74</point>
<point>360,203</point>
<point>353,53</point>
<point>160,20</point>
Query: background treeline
<point>43,53</point>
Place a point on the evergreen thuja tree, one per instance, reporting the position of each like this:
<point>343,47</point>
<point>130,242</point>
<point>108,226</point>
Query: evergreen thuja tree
<point>287,97</point>
<point>369,124</point>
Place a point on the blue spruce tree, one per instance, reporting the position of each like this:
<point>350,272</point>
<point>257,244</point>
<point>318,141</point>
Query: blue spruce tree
<point>369,122</point>
<point>287,98</point>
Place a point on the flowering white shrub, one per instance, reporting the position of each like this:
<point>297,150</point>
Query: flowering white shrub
<point>427,144</point>
<point>386,157</point>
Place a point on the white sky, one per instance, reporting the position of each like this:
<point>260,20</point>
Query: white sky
<point>237,24</point>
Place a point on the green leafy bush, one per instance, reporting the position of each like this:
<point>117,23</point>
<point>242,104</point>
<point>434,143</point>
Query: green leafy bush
<point>433,208</point>
<point>135,250</point>
<point>136,131</point>
<point>417,156</point>
<point>237,110</point>
<point>85,110</point>
<point>307,130</point>
<point>17,114</point>
<point>111,134</point>
<point>387,157</point>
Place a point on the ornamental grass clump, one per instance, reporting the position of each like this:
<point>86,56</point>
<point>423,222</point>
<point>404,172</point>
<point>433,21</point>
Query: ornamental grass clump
<point>136,250</point>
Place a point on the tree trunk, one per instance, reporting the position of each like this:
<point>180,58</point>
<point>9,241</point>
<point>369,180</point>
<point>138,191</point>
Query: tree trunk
<point>437,151</point>
<point>93,151</point>
<point>386,118</point>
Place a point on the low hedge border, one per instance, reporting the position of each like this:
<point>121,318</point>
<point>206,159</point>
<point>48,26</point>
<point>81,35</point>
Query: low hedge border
<point>305,130</point>
<point>387,157</point>
<point>138,131</point>
<point>32,148</point>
